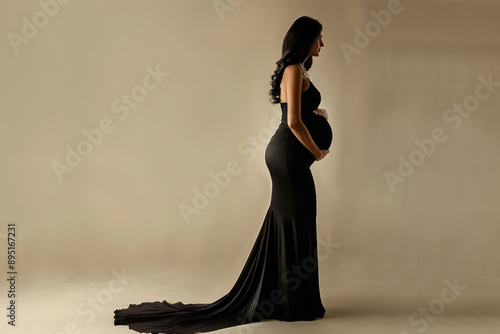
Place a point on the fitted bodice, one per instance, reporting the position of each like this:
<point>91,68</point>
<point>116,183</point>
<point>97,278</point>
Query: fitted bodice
<point>318,126</point>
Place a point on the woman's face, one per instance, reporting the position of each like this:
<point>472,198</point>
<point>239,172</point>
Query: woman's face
<point>316,47</point>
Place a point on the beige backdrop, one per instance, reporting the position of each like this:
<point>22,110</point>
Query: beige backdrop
<point>389,204</point>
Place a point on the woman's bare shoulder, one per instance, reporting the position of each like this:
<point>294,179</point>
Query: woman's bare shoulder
<point>293,70</point>
<point>292,73</point>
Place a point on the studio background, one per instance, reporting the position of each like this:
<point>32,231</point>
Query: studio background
<point>120,208</point>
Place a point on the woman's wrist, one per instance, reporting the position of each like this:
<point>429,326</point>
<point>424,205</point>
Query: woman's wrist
<point>318,155</point>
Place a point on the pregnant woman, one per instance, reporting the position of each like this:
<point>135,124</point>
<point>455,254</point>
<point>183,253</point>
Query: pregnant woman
<point>280,277</point>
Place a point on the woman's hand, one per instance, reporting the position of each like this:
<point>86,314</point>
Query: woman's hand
<point>321,112</point>
<point>322,155</point>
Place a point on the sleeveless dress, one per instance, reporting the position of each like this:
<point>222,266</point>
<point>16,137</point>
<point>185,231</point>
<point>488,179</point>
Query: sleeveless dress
<point>280,277</point>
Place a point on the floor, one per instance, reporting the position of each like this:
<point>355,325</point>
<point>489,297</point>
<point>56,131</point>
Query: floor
<point>357,300</point>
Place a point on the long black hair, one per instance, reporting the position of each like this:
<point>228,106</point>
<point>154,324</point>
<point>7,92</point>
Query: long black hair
<point>303,33</point>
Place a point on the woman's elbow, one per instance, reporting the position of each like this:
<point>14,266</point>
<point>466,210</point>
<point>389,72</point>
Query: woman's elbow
<point>294,124</point>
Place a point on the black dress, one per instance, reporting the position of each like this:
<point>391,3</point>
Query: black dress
<point>280,277</point>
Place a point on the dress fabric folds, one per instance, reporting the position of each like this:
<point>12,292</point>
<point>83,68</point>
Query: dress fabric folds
<point>280,277</point>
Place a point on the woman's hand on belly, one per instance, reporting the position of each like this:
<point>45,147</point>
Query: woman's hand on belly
<point>321,112</point>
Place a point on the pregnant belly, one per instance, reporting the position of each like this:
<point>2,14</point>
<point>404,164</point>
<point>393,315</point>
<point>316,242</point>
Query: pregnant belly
<point>320,131</point>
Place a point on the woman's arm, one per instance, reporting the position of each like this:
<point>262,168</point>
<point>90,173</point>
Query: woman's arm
<point>292,77</point>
